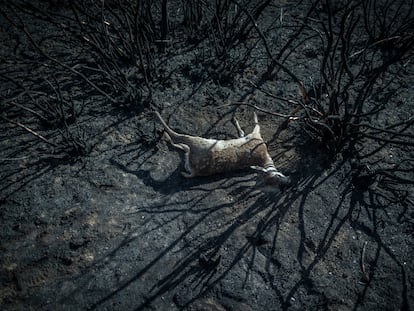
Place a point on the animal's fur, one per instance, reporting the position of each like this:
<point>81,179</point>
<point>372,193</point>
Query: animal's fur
<point>204,157</point>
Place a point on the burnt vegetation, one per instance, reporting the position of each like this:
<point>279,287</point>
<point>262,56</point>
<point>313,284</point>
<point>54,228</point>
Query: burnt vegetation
<point>117,53</point>
<point>117,50</point>
<point>331,74</point>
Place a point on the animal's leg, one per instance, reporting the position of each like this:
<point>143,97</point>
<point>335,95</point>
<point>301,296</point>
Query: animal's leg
<point>239,129</point>
<point>256,130</point>
<point>186,150</point>
<point>178,146</point>
<point>187,166</point>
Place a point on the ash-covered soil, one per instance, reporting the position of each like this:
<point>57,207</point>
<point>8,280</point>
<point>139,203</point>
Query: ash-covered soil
<point>119,228</point>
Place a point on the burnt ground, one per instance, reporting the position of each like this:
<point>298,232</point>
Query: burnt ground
<point>119,228</point>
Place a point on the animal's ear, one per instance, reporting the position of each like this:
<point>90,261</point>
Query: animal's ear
<point>258,168</point>
<point>256,120</point>
<point>282,179</point>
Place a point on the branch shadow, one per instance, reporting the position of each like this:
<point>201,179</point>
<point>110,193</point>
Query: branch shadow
<point>203,267</point>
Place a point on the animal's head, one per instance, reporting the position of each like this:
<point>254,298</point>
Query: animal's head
<point>271,178</point>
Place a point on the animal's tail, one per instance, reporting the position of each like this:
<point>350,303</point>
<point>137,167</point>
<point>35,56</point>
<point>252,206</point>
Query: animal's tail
<point>167,128</point>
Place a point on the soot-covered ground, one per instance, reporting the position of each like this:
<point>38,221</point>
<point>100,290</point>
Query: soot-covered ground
<point>112,225</point>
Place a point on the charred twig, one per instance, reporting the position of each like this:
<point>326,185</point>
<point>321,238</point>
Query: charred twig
<point>14,159</point>
<point>365,274</point>
<point>275,62</point>
<point>125,35</point>
<point>268,93</point>
<point>298,32</point>
<point>390,141</point>
<point>52,59</point>
<point>27,129</point>
<point>276,114</point>
<point>35,113</point>
<point>348,85</point>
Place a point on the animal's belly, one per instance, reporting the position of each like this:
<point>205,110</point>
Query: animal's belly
<point>225,160</point>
